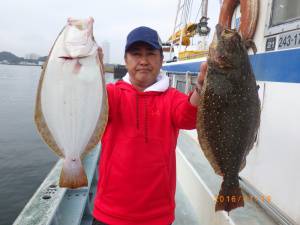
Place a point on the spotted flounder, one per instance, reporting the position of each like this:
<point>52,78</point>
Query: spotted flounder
<point>71,105</point>
<point>229,113</point>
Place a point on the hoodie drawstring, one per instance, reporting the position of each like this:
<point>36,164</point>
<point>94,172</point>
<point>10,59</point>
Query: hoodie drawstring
<point>137,112</point>
<point>145,116</point>
<point>146,121</point>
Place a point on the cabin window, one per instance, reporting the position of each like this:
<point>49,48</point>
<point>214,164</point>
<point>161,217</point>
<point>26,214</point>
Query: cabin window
<point>285,11</point>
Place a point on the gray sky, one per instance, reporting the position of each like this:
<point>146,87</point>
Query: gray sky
<point>32,26</point>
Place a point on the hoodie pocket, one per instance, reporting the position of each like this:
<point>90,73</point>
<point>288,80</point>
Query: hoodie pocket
<point>137,181</point>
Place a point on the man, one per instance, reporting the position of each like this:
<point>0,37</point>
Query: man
<point>137,173</point>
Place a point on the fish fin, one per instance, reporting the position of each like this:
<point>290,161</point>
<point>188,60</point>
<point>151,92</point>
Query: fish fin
<point>205,146</point>
<point>229,198</point>
<point>243,164</point>
<point>39,118</point>
<point>209,155</point>
<point>72,174</point>
<point>251,44</point>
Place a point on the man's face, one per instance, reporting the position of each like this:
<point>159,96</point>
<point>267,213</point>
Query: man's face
<point>143,64</point>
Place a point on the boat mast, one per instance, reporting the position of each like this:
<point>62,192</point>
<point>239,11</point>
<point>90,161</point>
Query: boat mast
<point>179,7</point>
<point>204,8</point>
<point>203,22</point>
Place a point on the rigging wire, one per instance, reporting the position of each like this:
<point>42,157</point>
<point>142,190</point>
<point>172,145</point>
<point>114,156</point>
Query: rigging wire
<point>190,11</point>
<point>196,18</point>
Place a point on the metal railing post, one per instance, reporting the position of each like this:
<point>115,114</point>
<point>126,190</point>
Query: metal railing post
<point>188,82</point>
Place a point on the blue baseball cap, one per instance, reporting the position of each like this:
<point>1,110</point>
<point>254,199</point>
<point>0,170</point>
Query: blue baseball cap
<point>143,34</point>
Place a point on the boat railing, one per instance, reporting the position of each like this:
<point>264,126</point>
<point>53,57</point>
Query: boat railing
<point>52,205</point>
<point>183,81</point>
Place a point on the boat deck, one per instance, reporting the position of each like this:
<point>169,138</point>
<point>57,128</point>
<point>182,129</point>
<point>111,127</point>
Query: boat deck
<point>184,212</point>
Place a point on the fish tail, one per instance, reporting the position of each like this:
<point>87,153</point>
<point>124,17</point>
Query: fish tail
<point>229,198</point>
<point>72,174</point>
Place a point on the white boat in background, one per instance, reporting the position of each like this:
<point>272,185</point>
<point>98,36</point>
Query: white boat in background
<point>270,180</point>
<point>190,32</point>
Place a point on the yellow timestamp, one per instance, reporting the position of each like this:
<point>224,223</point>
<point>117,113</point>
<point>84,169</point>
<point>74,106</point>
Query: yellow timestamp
<point>238,198</point>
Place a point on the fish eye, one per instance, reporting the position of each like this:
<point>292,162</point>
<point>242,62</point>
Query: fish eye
<point>227,31</point>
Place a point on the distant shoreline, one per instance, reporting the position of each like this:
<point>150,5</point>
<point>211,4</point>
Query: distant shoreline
<point>107,69</point>
<point>18,64</point>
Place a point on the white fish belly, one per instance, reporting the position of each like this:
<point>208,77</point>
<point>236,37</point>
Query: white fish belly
<point>71,102</point>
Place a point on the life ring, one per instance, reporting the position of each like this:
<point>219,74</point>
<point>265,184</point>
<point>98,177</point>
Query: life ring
<point>249,16</point>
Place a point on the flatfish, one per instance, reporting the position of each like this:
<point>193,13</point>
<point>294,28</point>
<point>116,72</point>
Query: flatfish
<point>71,107</point>
<point>229,113</point>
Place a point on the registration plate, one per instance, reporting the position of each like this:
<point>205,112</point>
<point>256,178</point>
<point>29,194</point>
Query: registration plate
<point>289,40</point>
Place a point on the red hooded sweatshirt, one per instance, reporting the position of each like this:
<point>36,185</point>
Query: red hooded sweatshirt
<point>137,170</point>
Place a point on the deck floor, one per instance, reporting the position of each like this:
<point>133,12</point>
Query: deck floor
<point>184,213</point>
